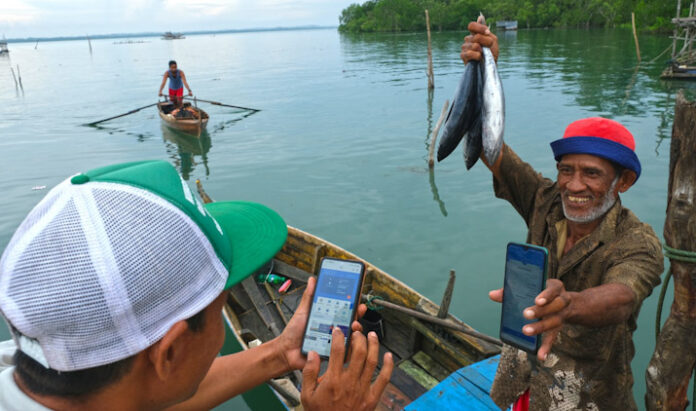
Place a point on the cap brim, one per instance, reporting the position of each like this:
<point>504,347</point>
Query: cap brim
<point>256,233</point>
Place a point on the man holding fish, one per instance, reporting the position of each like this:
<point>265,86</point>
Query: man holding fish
<point>603,261</point>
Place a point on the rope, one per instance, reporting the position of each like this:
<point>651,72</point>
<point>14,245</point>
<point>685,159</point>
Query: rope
<point>370,298</point>
<point>683,256</point>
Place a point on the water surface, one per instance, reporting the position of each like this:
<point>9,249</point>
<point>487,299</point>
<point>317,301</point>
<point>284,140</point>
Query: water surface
<point>341,144</point>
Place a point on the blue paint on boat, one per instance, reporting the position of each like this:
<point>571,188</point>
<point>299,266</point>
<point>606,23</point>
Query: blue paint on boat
<point>468,388</point>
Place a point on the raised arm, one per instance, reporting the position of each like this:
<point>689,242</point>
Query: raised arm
<point>183,77</point>
<point>164,81</point>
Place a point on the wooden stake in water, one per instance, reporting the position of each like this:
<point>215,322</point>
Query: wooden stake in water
<point>635,35</point>
<point>433,137</point>
<point>15,78</point>
<point>431,76</point>
<point>19,75</point>
<point>89,42</point>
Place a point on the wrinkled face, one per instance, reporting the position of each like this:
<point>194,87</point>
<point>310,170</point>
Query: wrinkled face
<point>588,186</point>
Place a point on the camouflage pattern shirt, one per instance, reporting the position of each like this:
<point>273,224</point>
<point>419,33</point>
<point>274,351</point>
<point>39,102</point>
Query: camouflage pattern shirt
<point>587,368</point>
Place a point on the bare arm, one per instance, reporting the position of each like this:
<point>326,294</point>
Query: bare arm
<point>164,80</point>
<point>183,77</point>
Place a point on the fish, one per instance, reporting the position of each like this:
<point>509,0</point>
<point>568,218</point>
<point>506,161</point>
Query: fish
<point>493,109</point>
<point>462,112</point>
<point>472,141</point>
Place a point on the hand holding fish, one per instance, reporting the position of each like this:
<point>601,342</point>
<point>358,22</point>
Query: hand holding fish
<point>480,37</point>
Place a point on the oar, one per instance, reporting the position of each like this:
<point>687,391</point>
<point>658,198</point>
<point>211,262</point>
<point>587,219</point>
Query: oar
<point>221,104</point>
<point>122,115</point>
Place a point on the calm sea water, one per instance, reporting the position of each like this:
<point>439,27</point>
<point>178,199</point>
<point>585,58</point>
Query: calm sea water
<point>341,144</point>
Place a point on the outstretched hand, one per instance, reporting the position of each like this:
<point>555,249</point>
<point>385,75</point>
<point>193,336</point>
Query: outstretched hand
<point>290,340</point>
<point>551,307</point>
<point>480,37</point>
<point>346,387</point>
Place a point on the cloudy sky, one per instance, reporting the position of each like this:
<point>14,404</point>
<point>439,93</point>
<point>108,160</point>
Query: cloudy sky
<point>47,18</point>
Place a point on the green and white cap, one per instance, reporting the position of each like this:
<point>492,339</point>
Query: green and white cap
<point>110,259</point>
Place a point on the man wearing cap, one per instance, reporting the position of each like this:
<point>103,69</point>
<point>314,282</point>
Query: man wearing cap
<point>603,262</point>
<point>113,287</point>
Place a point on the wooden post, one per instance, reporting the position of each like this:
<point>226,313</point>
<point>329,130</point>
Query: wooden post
<point>433,137</point>
<point>15,78</point>
<point>676,31</point>
<point>447,296</point>
<point>89,42</point>
<point>673,361</point>
<point>635,35</point>
<point>19,76</point>
<point>431,76</point>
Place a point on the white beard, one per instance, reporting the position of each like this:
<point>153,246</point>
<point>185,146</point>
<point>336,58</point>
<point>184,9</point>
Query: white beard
<point>597,212</point>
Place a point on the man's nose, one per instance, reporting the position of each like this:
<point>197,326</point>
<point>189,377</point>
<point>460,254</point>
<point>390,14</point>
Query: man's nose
<point>575,184</point>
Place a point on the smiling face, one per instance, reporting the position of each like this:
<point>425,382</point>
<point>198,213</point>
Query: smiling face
<point>589,186</point>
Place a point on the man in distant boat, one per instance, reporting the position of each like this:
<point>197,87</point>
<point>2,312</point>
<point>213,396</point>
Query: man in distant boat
<point>603,262</point>
<point>113,289</point>
<point>177,81</point>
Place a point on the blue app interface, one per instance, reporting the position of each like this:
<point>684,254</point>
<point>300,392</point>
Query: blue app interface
<point>524,276</point>
<point>334,299</point>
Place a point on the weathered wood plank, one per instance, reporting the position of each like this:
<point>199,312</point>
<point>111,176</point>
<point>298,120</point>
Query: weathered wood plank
<point>418,374</point>
<point>407,384</point>
<point>433,368</point>
<point>287,270</point>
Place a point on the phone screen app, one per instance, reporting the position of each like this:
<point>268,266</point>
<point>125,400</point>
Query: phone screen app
<point>524,271</point>
<point>333,304</point>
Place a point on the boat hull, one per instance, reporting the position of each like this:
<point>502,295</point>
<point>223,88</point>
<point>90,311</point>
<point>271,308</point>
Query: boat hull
<point>193,126</point>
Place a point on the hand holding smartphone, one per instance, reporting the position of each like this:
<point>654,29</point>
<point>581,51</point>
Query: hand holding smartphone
<point>525,277</point>
<point>334,304</point>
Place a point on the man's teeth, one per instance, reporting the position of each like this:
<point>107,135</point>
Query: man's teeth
<point>579,200</point>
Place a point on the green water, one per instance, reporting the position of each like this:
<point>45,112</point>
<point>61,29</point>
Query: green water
<point>341,144</point>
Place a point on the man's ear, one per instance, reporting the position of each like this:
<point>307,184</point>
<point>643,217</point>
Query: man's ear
<point>628,177</point>
<point>165,353</point>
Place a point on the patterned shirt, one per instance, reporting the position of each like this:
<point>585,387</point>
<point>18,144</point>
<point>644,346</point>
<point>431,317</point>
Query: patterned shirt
<point>588,368</point>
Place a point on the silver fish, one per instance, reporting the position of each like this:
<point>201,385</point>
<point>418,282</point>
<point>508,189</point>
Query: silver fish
<point>493,110</point>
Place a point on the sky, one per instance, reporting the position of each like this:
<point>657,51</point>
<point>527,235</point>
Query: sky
<point>50,18</point>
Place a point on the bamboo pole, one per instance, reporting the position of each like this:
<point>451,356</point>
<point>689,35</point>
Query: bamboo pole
<point>676,31</point>
<point>433,137</point>
<point>447,297</point>
<point>635,35</point>
<point>19,76</point>
<point>431,76</point>
<point>15,78</point>
<point>89,42</point>
<point>672,363</point>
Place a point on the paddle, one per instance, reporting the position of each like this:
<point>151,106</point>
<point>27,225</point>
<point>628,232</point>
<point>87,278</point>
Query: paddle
<point>221,104</point>
<point>121,115</point>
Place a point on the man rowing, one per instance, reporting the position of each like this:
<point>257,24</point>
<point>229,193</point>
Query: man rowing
<point>603,262</point>
<point>113,289</point>
<point>177,81</point>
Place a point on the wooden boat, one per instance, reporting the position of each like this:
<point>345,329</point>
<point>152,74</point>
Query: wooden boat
<point>424,354</point>
<point>190,124</point>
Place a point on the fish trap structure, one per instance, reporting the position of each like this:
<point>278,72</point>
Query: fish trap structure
<point>682,65</point>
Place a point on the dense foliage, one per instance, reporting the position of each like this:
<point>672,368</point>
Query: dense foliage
<point>407,15</point>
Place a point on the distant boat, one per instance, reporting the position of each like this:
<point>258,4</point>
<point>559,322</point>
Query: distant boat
<point>186,120</point>
<point>506,24</point>
<point>172,36</point>
<point>3,48</point>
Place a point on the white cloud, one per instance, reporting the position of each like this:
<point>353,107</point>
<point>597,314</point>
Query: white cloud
<point>17,11</point>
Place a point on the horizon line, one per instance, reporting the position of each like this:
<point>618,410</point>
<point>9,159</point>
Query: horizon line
<point>156,34</point>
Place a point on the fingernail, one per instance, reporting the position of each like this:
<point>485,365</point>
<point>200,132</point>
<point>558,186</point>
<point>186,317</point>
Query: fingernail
<point>372,334</point>
<point>388,355</point>
<point>528,330</point>
<point>355,334</point>
<point>542,301</point>
<point>529,314</point>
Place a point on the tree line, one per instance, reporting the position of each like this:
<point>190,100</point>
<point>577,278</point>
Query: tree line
<point>408,15</point>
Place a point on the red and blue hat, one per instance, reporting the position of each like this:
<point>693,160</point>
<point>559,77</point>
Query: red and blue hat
<point>600,137</point>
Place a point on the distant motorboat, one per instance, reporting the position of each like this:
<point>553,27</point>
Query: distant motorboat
<point>506,24</point>
<point>173,36</point>
<point>3,47</point>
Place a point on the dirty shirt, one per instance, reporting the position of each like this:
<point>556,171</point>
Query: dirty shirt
<point>588,368</point>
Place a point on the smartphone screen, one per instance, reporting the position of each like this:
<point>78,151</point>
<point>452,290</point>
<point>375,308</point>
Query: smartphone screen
<point>525,278</point>
<point>335,302</point>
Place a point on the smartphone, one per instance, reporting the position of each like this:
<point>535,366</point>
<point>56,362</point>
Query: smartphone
<point>335,303</point>
<point>525,278</point>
